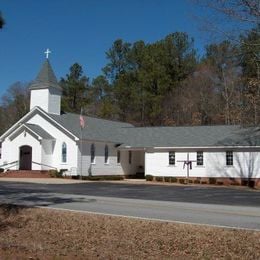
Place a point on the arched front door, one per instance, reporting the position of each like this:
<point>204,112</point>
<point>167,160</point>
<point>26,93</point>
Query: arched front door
<point>25,161</point>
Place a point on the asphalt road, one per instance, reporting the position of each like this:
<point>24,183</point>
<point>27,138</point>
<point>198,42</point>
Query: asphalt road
<point>202,205</point>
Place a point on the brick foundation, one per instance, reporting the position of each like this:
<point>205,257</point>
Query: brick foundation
<point>26,174</point>
<point>214,181</point>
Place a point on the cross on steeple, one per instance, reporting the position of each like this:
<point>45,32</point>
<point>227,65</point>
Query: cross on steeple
<point>47,52</point>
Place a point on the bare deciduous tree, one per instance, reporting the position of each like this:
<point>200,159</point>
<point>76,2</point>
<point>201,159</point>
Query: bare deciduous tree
<point>14,105</point>
<point>2,21</point>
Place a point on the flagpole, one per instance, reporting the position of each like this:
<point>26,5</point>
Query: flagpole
<point>81,120</point>
<point>81,152</point>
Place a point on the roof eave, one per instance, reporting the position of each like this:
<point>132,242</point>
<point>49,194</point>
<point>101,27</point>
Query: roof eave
<point>209,147</point>
<point>28,129</point>
<point>36,86</point>
<point>43,112</point>
<point>128,147</point>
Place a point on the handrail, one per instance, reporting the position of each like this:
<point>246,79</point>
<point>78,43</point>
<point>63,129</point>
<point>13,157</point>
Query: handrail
<point>7,168</point>
<point>8,163</point>
<point>15,162</point>
<point>44,165</point>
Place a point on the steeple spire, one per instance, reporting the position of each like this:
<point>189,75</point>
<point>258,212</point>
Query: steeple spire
<point>46,78</point>
<point>45,90</point>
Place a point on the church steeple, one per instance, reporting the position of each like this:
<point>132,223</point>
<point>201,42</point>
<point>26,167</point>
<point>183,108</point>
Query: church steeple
<point>46,77</point>
<point>45,90</point>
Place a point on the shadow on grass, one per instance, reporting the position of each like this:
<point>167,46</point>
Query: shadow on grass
<point>10,216</point>
<point>14,204</point>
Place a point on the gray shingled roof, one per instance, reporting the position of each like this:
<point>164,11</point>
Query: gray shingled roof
<point>192,136</point>
<point>39,131</point>
<point>46,78</point>
<point>95,128</point>
<point>143,137</point>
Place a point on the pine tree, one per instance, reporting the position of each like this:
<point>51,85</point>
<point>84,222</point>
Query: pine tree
<point>75,89</point>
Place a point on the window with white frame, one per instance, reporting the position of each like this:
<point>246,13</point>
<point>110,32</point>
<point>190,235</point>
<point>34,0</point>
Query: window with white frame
<point>64,152</point>
<point>171,158</point>
<point>118,156</point>
<point>92,153</point>
<point>106,153</point>
<point>200,161</point>
<point>229,158</point>
<point>129,157</point>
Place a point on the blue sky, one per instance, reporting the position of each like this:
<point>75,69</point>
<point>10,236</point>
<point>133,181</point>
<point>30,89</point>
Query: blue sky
<point>82,31</point>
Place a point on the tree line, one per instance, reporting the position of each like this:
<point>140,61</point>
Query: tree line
<point>165,83</point>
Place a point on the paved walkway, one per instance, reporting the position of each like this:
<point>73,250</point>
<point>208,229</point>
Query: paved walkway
<point>72,181</point>
<point>43,180</point>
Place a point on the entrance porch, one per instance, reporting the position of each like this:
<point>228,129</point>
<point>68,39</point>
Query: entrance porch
<point>133,163</point>
<point>28,148</point>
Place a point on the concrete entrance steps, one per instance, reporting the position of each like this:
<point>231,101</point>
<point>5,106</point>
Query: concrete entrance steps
<point>25,174</point>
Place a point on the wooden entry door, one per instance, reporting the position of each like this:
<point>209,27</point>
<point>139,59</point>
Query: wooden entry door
<point>25,161</point>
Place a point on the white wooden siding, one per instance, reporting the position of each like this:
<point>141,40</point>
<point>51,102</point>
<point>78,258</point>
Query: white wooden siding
<point>40,98</point>
<point>54,101</point>
<point>99,167</point>
<point>60,136</point>
<point>245,164</point>
<point>49,99</point>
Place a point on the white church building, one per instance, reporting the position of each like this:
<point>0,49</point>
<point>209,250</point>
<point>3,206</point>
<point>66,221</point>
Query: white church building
<point>47,139</point>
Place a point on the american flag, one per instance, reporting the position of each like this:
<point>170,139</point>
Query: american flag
<point>81,120</point>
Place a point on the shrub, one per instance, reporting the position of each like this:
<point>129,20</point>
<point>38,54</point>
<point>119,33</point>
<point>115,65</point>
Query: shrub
<point>159,178</point>
<point>103,178</point>
<point>244,182</point>
<point>251,184</point>
<point>204,182</point>
<point>167,179</point>
<point>113,178</point>
<point>220,183</point>
<point>196,182</point>
<point>182,181</point>
<point>149,177</point>
<point>90,178</point>
<point>55,174</point>
<point>173,179</point>
<point>61,172</point>
<point>212,180</point>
